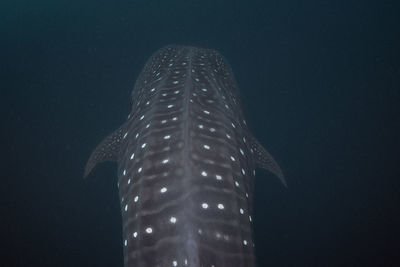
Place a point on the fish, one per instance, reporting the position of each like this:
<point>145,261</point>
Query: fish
<point>186,164</point>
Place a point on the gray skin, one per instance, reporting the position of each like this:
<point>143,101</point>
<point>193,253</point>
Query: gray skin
<point>186,163</point>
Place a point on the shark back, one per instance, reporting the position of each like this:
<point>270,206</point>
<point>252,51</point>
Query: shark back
<point>186,163</point>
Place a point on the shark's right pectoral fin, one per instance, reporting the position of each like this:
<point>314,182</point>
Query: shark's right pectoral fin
<point>107,150</point>
<point>264,160</point>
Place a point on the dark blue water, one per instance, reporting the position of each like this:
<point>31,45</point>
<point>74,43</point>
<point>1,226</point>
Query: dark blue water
<point>320,84</point>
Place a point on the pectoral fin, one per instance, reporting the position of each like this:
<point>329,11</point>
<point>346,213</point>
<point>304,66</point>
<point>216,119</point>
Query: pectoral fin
<point>264,160</point>
<point>107,150</point>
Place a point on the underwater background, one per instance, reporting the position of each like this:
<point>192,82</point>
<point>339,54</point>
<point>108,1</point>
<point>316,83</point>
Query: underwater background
<point>320,87</point>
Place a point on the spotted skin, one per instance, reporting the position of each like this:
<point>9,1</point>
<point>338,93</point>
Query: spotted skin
<point>186,163</point>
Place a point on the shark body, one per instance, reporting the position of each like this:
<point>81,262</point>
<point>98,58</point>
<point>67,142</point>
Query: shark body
<point>186,161</point>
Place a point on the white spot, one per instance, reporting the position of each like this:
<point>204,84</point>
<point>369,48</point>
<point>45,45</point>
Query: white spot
<point>241,151</point>
<point>167,137</point>
<point>163,121</point>
<point>126,207</point>
<point>200,231</point>
<point>176,92</point>
<point>175,82</point>
<point>148,102</point>
<point>174,263</point>
<point>174,118</point>
<point>197,79</point>
<point>245,242</point>
<point>226,106</point>
<point>220,206</point>
<point>153,89</point>
<point>129,181</point>
<point>165,161</point>
<point>218,177</point>
<point>250,218</point>
<point>237,184</point>
<point>135,234</point>
<point>125,242</point>
<point>254,172</point>
<point>133,155</point>
<point>243,172</point>
<point>140,169</point>
<point>141,118</point>
<point>232,158</point>
<point>149,230</point>
<point>137,135</point>
<point>212,130</point>
<point>172,220</point>
<point>206,147</point>
<point>247,195</point>
<point>233,125</point>
<point>186,262</point>
<point>163,190</point>
<point>217,235</point>
<point>227,135</point>
<point>201,126</point>
<point>204,89</point>
<point>203,173</point>
<point>125,135</point>
<point>241,211</point>
<point>124,172</point>
<point>148,125</point>
<point>206,112</point>
<point>144,145</point>
<point>204,205</point>
<point>170,106</point>
<point>244,139</point>
<point>136,198</point>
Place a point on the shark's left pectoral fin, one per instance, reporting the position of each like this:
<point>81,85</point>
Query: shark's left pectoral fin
<point>264,160</point>
<point>107,150</point>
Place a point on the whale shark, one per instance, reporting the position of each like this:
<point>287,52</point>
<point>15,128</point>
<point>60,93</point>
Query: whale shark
<point>186,164</point>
